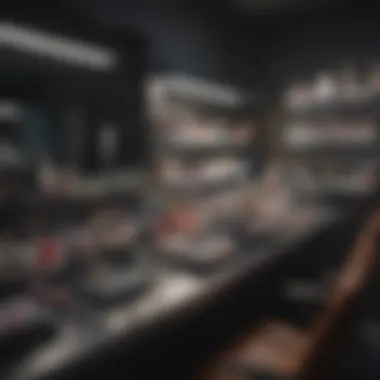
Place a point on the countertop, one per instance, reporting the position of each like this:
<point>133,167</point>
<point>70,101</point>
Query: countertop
<point>174,294</point>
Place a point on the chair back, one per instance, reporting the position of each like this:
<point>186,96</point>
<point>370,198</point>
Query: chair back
<point>333,328</point>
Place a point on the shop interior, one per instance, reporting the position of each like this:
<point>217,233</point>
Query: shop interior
<point>189,190</point>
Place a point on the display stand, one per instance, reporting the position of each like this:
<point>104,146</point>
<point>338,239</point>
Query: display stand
<point>72,215</point>
<point>331,140</point>
<point>204,155</point>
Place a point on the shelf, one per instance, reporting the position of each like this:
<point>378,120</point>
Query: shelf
<point>203,148</point>
<point>207,187</point>
<point>346,107</point>
<point>190,88</point>
<point>183,146</point>
<point>203,105</point>
<point>88,194</point>
<point>335,150</point>
<point>343,135</point>
<point>343,189</point>
<point>203,151</point>
<point>76,203</point>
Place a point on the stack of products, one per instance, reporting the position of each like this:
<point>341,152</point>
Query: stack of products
<point>205,157</point>
<point>331,138</point>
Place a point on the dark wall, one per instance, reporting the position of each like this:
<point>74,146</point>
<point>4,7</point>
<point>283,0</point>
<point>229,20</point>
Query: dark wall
<point>298,47</point>
<point>192,37</point>
<point>206,38</point>
<point>114,97</point>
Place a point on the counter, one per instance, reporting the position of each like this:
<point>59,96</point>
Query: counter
<point>176,298</point>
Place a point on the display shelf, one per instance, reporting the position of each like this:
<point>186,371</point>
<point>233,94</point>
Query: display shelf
<point>202,148</point>
<point>207,188</point>
<point>192,90</point>
<point>333,122</point>
<point>334,151</point>
<point>336,174</point>
<point>342,133</point>
<point>52,232</point>
<point>202,104</point>
<point>84,192</point>
<point>207,150</point>
<point>58,223</point>
<point>68,239</point>
<point>334,93</point>
<point>354,106</point>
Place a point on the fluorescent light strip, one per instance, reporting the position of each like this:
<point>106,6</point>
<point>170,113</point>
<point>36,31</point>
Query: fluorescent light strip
<point>57,47</point>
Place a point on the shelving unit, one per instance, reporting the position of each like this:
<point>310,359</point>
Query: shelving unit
<point>331,141</point>
<point>68,227</point>
<point>204,156</point>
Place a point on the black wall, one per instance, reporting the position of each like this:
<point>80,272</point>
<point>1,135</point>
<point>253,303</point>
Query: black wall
<point>207,38</point>
<point>194,37</point>
<point>299,46</point>
<point>114,97</point>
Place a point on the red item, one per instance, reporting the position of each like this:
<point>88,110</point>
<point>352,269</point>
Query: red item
<point>182,221</point>
<point>188,222</point>
<point>163,226</point>
<point>49,254</point>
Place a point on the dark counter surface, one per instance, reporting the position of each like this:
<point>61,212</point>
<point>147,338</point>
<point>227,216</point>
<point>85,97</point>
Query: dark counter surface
<point>174,295</point>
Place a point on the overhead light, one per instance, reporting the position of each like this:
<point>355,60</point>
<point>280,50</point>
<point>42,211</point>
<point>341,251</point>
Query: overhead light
<point>66,50</point>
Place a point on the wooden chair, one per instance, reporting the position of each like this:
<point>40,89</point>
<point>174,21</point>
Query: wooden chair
<point>277,350</point>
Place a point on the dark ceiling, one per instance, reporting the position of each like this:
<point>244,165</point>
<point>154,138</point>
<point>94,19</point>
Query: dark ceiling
<point>283,6</point>
<point>254,11</point>
<point>223,39</point>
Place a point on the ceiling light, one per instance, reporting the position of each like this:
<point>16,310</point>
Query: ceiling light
<point>66,50</point>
